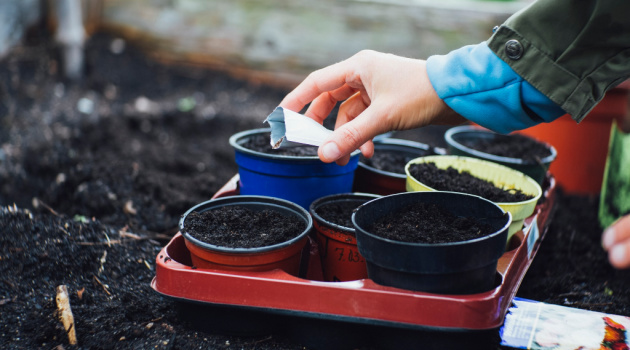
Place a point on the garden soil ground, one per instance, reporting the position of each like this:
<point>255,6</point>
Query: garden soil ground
<point>94,176</point>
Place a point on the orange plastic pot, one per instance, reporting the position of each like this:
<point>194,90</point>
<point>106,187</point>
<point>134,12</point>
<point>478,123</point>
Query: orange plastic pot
<point>285,256</point>
<point>582,148</point>
<point>339,254</point>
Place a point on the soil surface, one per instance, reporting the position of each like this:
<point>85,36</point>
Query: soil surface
<point>235,226</point>
<point>339,212</point>
<point>451,179</point>
<point>512,146</point>
<point>428,223</point>
<point>94,176</point>
<point>262,143</point>
<point>389,160</point>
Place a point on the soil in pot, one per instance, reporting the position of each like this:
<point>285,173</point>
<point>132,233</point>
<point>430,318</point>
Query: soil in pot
<point>512,146</point>
<point>240,227</point>
<point>262,143</point>
<point>339,213</point>
<point>389,160</point>
<point>451,179</point>
<point>430,224</point>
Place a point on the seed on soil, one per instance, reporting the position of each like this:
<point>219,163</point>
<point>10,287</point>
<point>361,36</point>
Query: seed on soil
<point>451,179</point>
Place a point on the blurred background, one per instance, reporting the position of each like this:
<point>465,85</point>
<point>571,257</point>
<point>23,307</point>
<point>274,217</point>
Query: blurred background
<point>277,41</point>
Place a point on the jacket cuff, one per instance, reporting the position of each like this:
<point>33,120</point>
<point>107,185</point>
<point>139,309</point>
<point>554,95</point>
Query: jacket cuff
<point>482,88</point>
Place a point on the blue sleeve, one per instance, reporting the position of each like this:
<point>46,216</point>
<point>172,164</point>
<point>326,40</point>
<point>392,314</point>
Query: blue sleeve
<point>478,85</point>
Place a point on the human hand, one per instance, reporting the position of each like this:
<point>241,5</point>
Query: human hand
<point>616,240</point>
<point>381,92</point>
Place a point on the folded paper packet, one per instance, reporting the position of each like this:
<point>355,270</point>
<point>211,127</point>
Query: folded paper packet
<point>534,325</point>
<point>289,128</point>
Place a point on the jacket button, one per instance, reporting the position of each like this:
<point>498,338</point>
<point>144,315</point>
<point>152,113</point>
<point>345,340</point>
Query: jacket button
<point>513,49</point>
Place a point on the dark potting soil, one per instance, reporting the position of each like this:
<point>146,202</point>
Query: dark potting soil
<point>389,160</point>
<point>513,146</point>
<point>339,212</point>
<point>451,179</point>
<point>262,143</point>
<point>236,226</point>
<point>428,223</point>
<point>111,186</point>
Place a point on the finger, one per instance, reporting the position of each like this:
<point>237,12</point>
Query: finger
<point>617,232</point>
<point>619,255</point>
<point>351,135</point>
<point>367,149</point>
<point>351,109</point>
<point>343,160</point>
<point>321,106</point>
<point>326,79</point>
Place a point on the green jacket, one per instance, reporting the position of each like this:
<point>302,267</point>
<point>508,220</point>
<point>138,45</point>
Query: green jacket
<point>572,51</point>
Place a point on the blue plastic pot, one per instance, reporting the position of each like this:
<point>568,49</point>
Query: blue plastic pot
<point>300,179</point>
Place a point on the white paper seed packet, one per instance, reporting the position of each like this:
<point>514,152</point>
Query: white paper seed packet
<point>289,128</point>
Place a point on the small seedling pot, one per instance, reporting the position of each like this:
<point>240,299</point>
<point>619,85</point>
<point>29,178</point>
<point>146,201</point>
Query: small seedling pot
<point>285,256</point>
<point>501,176</point>
<point>458,137</point>
<point>465,267</point>
<point>299,179</point>
<point>369,179</point>
<point>340,257</point>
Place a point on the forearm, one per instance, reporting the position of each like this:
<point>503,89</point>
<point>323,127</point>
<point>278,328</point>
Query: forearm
<point>482,88</point>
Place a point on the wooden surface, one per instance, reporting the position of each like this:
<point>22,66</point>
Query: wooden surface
<point>281,41</point>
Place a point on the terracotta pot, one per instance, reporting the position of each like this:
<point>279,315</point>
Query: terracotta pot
<point>369,179</point>
<point>340,257</point>
<point>500,175</point>
<point>459,137</point>
<point>582,148</point>
<point>285,256</point>
<point>465,267</point>
<point>299,179</point>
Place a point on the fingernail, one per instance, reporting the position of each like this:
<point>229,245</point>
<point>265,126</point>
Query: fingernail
<point>331,151</point>
<point>618,254</point>
<point>608,238</point>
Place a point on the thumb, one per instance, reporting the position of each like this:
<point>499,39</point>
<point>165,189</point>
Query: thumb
<point>351,136</point>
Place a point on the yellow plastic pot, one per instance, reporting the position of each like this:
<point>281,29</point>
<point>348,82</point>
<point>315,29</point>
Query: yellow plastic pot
<point>501,176</point>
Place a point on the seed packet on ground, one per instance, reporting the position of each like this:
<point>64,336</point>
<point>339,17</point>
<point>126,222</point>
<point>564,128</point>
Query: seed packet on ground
<point>535,325</point>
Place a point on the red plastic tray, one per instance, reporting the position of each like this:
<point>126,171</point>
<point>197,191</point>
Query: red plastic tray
<point>361,301</point>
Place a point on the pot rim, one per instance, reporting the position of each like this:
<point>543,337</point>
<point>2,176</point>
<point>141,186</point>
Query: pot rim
<point>234,142</point>
<point>397,142</point>
<point>349,196</point>
<point>430,245</point>
<point>486,163</point>
<point>448,136</point>
<point>244,200</point>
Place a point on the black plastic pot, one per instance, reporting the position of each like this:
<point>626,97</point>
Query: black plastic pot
<point>458,137</point>
<point>370,179</point>
<point>466,267</point>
